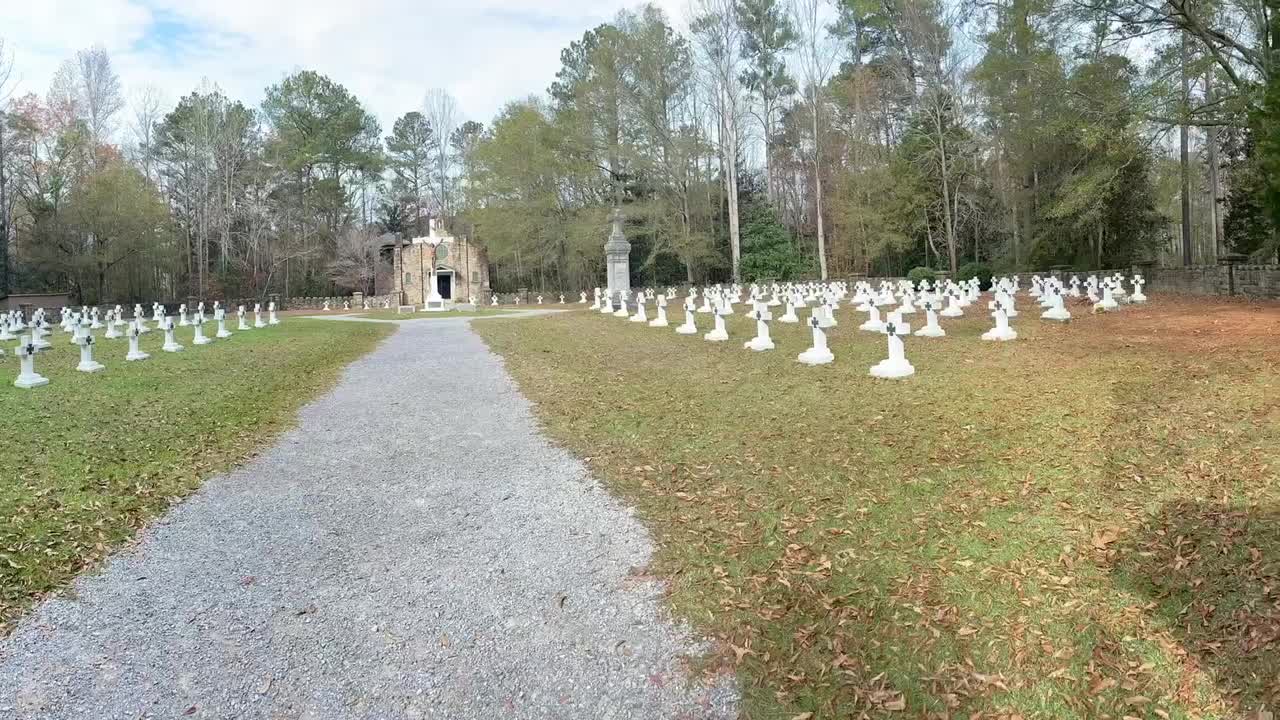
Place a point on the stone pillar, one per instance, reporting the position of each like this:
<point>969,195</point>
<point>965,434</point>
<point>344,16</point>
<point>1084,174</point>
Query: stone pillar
<point>1229,262</point>
<point>617,255</point>
<point>397,271</point>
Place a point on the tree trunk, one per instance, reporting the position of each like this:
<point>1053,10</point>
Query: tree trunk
<point>1184,157</point>
<point>1215,182</point>
<point>817,191</point>
<point>946,201</point>
<point>4,215</point>
<point>730,145</point>
<point>768,150</point>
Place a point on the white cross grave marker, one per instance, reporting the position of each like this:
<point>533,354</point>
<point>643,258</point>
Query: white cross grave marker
<point>200,338</point>
<point>87,363</point>
<point>790,316</point>
<point>761,341</point>
<point>720,333</point>
<point>896,365</point>
<point>953,308</point>
<point>931,327</point>
<point>873,323</point>
<point>28,377</point>
<point>1136,296</point>
<point>640,316</point>
<point>1108,301</point>
<point>661,319</point>
<point>1001,332</point>
<point>220,316</point>
<point>1057,305</point>
<point>819,354</point>
<point>690,311</point>
<point>135,352</point>
<point>170,340</point>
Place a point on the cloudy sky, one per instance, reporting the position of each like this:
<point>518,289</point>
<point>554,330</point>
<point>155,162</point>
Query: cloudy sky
<point>388,52</point>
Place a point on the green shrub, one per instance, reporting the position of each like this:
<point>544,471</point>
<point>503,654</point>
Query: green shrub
<point>922,273</point>
<point>768,252</point>
<point>968,271</point>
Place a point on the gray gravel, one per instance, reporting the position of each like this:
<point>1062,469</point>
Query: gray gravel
<point>415,548</point>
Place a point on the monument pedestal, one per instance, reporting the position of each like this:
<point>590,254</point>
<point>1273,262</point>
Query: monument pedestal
<point>617,255</point>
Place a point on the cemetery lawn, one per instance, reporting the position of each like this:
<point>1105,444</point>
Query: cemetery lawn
<point>89,459</point>
<point>1083,523</point>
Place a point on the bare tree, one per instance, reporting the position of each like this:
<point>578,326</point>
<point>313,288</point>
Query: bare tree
<point>147,106</point>
<point>355,265</point>
<point>64,95</point>
<point>100,94</point>
<point>719,35</point>
<point>6,71</point>
<point>6,74</point>
<point>817,55</point>
<point>441,111</point>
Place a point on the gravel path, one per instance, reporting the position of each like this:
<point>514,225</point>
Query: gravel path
<point>450,564</point>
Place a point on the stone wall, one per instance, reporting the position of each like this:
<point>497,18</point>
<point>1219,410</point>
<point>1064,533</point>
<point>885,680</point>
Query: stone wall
<point>1261,281</point>
<point>335,303</point>
<point>1255,281</point>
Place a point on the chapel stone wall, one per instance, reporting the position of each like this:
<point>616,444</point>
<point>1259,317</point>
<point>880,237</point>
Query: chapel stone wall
<point>469,263</point>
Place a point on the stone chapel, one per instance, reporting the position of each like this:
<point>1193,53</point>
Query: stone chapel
<point>461,268</point>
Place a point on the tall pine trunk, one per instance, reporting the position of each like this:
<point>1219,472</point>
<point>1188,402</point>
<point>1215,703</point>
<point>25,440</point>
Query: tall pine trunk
<point>1184,156</point>
<point>1215,181</point>
<point>817,190</point>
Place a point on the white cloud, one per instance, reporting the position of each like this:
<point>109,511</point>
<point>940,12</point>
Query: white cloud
<point>387,52</point>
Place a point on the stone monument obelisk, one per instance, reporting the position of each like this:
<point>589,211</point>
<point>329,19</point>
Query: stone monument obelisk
<point>617,254</point>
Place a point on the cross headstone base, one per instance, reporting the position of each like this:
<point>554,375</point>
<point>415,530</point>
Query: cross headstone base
<point>26,381</point>
<point>1057,313</point>
<point>892,369</point>
<point>719,334</point>
<point>819,354</point>
<point>688,328</point>
<point>1000,334</point>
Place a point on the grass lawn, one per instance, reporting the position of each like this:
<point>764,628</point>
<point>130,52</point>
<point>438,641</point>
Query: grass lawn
<point>1082,523</point>
<point>90,458</point>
